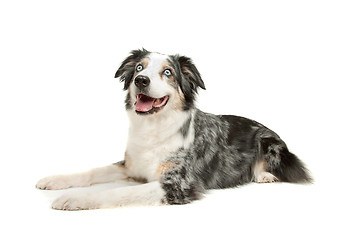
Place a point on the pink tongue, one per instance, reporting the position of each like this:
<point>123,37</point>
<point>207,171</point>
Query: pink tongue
<point>144,103</point>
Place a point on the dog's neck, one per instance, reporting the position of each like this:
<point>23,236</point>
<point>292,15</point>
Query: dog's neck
<point>162,126</point>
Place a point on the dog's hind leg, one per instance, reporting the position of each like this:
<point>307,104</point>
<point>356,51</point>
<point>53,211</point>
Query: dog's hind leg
<point>261,175</point>
<point>282,164</point>
<point>98,175</point>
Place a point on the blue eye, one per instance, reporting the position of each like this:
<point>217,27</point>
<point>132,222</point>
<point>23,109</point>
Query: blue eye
<point>139,68</point>
<point>167,72</point>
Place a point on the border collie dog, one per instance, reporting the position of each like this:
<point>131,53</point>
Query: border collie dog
<point>173,148</point>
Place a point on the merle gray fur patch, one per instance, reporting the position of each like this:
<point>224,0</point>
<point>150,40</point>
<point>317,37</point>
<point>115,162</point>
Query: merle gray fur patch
<point>223,155</point>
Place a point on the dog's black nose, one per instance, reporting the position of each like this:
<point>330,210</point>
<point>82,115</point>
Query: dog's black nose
<point>142,81</point>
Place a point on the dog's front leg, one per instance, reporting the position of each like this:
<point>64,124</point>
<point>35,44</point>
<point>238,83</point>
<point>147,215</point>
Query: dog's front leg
<point>98,175</point>
<point>144,195</point>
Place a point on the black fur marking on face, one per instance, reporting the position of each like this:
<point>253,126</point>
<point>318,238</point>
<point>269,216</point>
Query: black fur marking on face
<point>127,68</point>
<point>187,77</point>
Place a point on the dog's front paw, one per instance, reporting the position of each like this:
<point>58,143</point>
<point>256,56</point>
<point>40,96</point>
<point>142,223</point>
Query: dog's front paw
<point>54,183</point>
<point>63,181</point>
<point>75,201</point>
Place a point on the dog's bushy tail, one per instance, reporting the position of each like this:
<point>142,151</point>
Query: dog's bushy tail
<point>286,166</point>
<point>292,169</point>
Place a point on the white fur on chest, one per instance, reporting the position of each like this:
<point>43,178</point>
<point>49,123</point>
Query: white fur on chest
<point>152,139</point>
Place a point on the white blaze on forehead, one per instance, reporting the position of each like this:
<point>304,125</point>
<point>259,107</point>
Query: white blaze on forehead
<point>158,88</point>
<point>155,65</point>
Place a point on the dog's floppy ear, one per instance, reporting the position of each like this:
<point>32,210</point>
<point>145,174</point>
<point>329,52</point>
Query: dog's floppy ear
<point>127,67</point>
<point>188,78</point>
<point>191,73</point>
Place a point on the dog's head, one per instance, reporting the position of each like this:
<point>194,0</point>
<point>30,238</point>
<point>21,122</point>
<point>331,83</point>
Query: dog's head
<point>156,82</point>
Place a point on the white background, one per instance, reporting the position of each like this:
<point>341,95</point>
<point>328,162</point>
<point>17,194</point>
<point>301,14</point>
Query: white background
<point>291,65</point>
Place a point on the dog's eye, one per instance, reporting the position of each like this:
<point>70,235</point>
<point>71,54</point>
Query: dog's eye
<point>167,72</point>
<point>139,68</point>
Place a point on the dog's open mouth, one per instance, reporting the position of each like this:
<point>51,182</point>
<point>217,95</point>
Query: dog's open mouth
<point>146,104</point>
